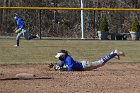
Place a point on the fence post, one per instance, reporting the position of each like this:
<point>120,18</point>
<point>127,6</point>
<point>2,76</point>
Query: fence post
<point>40,23</point>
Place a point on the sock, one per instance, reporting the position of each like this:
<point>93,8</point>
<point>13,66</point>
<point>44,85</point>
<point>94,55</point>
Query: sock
<point>32,37</point>
<point>17,42</point>
<point>108,57</point>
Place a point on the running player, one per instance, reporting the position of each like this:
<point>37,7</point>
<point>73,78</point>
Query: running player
<point>21,30</point>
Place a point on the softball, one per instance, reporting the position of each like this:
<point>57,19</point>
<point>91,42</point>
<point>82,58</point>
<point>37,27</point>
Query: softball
<point>64,66</point>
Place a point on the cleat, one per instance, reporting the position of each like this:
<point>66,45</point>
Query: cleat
<point>119,53</point>
<point>38,36</point>
<point>16,45</point>
<point>116,51</point>
<point>117,57</point>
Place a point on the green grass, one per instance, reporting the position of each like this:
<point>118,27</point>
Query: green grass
<point>43,51</point>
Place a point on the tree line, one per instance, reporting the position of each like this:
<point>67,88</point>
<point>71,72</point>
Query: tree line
<point>61,23</point>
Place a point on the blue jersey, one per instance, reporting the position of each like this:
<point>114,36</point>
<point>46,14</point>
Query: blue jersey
<point>20,23</point>
<point>71,65</point>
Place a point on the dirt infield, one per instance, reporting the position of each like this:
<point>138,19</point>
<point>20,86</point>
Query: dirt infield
<point>111,78</point>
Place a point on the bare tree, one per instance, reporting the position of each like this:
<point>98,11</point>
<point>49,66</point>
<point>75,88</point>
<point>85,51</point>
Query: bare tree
<point>67,23</point>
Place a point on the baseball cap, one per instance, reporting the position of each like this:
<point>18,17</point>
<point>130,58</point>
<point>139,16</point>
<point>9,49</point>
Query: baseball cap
<point>59,54</point>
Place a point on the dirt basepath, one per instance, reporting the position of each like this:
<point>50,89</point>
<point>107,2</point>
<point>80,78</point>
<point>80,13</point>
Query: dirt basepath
<point>112,78</point>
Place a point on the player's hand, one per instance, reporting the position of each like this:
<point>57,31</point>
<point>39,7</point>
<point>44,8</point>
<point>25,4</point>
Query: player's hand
<point>18,30</point>
<point>15,29</point>
<point>56,67</point>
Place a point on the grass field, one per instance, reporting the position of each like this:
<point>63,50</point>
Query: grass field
<point>111,78</point>
<point>43,51</point>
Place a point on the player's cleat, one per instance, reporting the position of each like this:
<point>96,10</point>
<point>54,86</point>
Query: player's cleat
<point>38,36</point>
<point>16,45</point>
<point>119,53</point>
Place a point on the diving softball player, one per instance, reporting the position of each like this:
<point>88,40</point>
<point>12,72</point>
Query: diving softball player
<point>72,65</point>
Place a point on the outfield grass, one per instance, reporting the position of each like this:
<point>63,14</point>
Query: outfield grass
<point>43,51</point>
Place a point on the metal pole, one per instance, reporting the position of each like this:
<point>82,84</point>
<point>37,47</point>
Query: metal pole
<point>82,21</point>
<point>40,23</point>
<point>94,25</point>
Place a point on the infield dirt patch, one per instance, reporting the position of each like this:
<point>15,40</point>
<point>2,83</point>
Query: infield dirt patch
<point>111,78</point>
